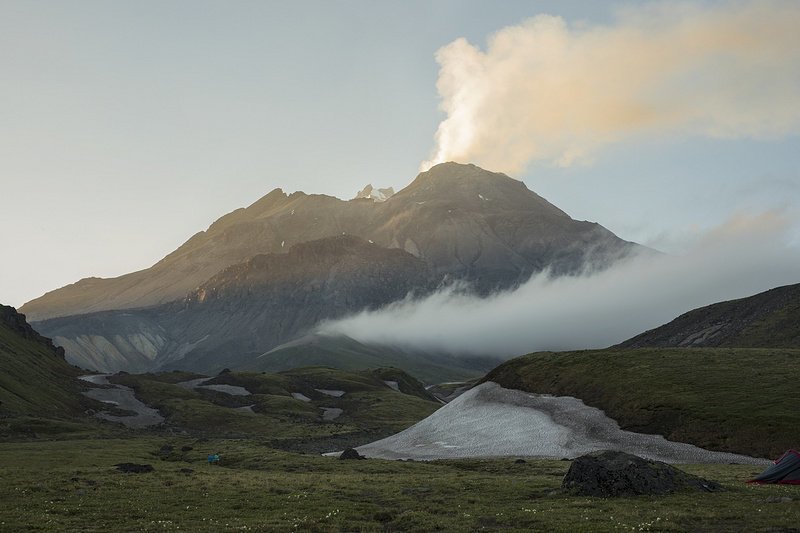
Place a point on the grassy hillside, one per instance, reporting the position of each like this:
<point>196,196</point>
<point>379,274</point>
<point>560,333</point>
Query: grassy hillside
<point>349,354</point>
<point>769,319</point>
<point>370,408</point>
<point>736,400</point>
<point>35,380</point>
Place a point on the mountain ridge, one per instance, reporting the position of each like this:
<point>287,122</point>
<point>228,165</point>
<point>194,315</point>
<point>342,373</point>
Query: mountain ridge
<point>265,274</point>
<point>463,221</point>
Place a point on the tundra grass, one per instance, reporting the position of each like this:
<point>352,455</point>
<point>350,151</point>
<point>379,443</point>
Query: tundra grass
<point>23,362</point>
<point>727,399</point>
<point>368,404</point>
<point>73,486</point>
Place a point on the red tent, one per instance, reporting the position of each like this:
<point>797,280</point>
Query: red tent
<point>786,470</point>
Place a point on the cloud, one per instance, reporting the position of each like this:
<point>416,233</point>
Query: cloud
<point>746,255</point>
<point>546,90</point>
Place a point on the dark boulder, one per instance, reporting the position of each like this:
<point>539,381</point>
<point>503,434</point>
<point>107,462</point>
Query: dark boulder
<point>133,468</point>
<point>165,451</point>
<point>610,473</point>
<point>351,453</point>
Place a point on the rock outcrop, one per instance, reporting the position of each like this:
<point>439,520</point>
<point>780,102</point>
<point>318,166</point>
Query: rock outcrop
<point>610,473</point>
<point>350,454</point>
<point>19,325</point>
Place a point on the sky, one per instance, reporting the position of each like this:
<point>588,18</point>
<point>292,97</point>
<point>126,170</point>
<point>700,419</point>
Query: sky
<point>126,127</point>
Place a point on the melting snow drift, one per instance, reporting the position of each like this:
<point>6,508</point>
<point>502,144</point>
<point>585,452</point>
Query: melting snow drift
<point>490,421</point>
<point>329,392</point>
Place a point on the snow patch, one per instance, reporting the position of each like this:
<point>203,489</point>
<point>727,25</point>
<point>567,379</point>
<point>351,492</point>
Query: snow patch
<point>376,195</point>
<point>300,396</point>
<point>192,383</point>
<point>491,421</point>
<point>329,392</point>
<point>392,385</point>
<point>331,413</point>
<point>233,390</point>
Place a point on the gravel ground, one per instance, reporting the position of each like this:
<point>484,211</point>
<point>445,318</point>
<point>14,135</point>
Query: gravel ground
<point>490,421</point>
<point>123,398</point>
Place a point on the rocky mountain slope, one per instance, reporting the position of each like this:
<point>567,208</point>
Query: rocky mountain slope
<point>265,275</point>
<point>463,221</point>
<point>245,309</point>
<point>770,319</point>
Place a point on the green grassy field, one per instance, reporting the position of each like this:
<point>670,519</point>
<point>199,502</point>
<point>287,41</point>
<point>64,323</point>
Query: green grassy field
<point>728,399</point>
<point>58,469</point>
<point>73,486</point>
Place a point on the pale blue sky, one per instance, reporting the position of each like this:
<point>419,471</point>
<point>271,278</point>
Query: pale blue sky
<point>125,127</point>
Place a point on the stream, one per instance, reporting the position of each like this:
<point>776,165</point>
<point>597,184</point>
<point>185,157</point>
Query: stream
<point>121,397</point>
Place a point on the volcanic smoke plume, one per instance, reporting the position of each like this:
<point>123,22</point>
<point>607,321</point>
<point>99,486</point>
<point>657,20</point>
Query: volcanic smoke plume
<point>546,90</point>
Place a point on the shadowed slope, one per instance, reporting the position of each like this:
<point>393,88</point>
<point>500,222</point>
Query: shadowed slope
<point>769,319</point>
<point>35,380</point>
<point>733,400</point>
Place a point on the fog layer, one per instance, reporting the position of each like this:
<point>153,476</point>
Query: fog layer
<point>745,256</point>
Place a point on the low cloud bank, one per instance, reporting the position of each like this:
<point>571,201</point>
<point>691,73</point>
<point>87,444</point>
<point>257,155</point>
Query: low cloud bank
<point>546,90</point>
<point>745,256</point>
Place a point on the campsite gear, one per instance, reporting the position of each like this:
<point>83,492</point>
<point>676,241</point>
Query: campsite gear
<point>213,458</point>
<point>786,470</point>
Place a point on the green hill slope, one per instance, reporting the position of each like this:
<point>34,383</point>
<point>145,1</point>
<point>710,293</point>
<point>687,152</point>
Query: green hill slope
<point>736,400</point>
<point>305,409</point>
<point>349,354</point>
<point>35,380</point>
<point>769,319</point>
<point>39,391</point>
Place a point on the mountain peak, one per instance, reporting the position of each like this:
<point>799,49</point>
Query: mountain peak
<point>376,195</point>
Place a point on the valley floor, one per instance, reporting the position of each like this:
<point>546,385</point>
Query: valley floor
<point>72,485</point>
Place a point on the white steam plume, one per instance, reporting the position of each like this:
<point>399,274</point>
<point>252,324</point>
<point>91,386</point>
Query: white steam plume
<point>744,256</point>
<point>545,90</point>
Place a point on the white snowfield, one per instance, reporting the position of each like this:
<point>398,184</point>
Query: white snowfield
<point>491,421</point>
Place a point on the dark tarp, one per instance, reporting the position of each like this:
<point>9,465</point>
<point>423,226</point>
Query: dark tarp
<point>785,470</point>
